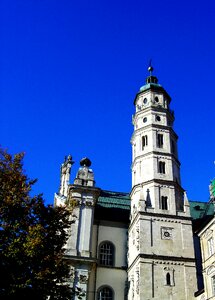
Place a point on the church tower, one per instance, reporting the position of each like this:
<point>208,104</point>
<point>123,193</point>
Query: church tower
<point>161,263</point>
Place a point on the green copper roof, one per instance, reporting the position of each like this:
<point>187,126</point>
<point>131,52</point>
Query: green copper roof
<point>121,202</point>
<point>148,85</point>
<point>114,200</point>
<point>199,210</point>
<point>213,187</point>
<point>113,206</point>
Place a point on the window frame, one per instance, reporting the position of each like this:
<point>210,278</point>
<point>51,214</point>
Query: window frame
<point>168,279</point>
<point>106,256</point>
<point>164,202</point>
<point>162,167</point>
<point>102,288</point>
<point>144,141</point>
<point>160,140</point>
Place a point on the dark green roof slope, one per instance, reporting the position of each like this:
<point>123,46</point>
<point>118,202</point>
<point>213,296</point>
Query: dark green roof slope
<point>114,199</point>
<point>113,206</point>
<point>201,213</point>
<point>199,210</point>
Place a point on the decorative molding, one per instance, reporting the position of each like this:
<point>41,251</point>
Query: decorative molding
<point>137,237</point>
<point>166,269</point>
<point>168,263</point>
<point>83,279</point>
<point>138,281</point>
<point>72,273</point>
<point>82,276</point>
<point>74,202</point>
<point>131,280</point>
<point>166,220</point>
<point>88,202</point>
<point>207,233</point>
<point>210,270</point>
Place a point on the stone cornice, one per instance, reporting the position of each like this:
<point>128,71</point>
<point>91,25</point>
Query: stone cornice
<point>80,259</point>
<point>166,154</point>
<point>82,188</point>
<point>153,88</point>
<point>156,109</point>
<point>159,181</point>
<point>163,259</point>
<point>159,217</point>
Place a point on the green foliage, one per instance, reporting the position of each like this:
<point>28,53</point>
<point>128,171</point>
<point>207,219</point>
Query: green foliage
<point>32,236</point>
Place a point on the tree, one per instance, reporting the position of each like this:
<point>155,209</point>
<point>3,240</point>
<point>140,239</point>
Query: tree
<point>32,236</point>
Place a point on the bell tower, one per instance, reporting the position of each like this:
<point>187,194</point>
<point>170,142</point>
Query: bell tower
<point>161,257</point>
<point>155,164</point>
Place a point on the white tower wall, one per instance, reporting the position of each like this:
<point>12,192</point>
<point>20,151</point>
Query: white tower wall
<point>161,261</point>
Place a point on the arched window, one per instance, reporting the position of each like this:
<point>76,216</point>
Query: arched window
<point>168,279</point>
<point>106,254</point>
<point>105,293</point>
<point>169,276</point>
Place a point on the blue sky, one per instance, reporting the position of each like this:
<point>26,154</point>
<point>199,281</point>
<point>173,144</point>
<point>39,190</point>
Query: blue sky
<point>69,72</point>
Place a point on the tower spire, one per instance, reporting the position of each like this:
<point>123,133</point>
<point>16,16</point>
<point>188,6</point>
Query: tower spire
<point>150,68</point>
<point>151,78</point>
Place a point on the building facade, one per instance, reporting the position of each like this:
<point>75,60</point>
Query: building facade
<point>204,230</point>
<point>207,238</point>
<point>138,245</point>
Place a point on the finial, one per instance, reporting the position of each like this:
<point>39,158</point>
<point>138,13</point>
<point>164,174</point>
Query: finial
<point>150,68</point>
<point>151,78</point>
<point>68,159</point>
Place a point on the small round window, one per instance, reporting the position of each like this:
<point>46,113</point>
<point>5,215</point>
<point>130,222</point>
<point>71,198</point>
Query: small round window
<point>145,100</point>
<point>158,118</point>
<point>156,99</point>
<point>144,120</point>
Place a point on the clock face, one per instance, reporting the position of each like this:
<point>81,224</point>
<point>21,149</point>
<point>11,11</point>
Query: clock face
<point>166,233</point>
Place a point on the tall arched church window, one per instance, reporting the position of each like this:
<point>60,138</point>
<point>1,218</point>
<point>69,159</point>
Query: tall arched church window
<point>168,279</point>
<point>105,293</point>
<point>169,276</point>
<point>106,254</point>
